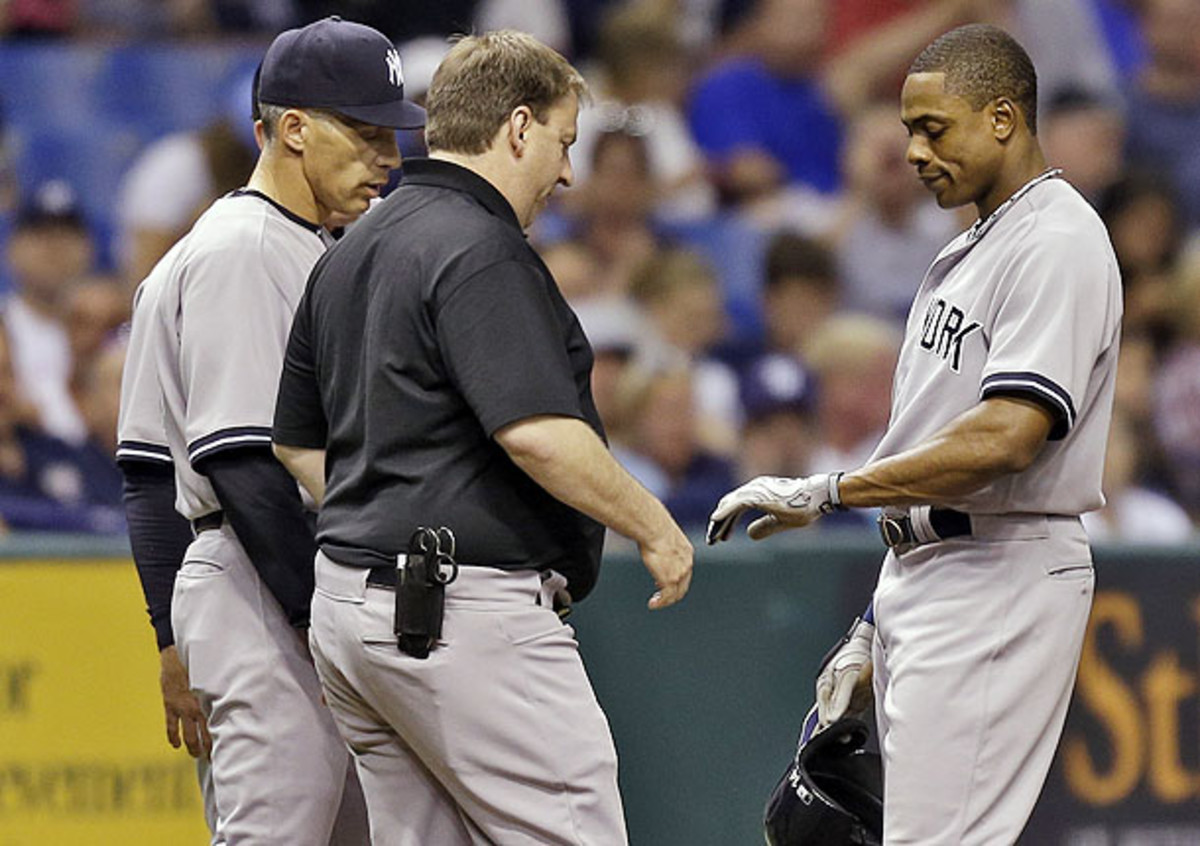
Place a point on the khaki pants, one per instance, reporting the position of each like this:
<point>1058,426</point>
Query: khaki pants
<point>280,772</point>
<point>495,738</point>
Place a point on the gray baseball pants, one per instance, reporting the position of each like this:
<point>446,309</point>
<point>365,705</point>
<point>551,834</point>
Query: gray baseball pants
<point>495,738</point>
<point>977,644</point>
<point>280,772</point>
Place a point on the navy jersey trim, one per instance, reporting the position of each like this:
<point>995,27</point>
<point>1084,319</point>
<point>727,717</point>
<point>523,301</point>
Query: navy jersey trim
<point>143,451</point>
<point>288,213</point>
<point>1034,386</point>
<point>232,438</point>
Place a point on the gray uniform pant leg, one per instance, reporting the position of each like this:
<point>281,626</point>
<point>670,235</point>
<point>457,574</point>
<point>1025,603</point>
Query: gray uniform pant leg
<point>495,738</point>
<point>278,765</point>
<point>977,645</point>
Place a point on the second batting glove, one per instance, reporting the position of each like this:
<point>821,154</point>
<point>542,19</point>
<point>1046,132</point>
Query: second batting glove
<point>844,683</point>
<point>787,503</point>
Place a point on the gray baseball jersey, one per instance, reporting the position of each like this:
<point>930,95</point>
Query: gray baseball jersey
<point>221,324</point>
<point>1025,303</point>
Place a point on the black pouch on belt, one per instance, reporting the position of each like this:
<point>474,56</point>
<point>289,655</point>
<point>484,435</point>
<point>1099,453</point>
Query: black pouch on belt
<point>421,590</point>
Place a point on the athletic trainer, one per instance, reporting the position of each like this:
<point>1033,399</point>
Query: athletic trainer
<point>1000,412</point>
<point>436,379</point>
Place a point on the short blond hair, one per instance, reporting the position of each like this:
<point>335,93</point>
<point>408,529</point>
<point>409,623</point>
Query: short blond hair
<point>483,78</point>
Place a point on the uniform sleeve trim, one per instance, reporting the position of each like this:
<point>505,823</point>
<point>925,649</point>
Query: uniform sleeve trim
<point>143,451</point>
<point>1044,391</point>
<point>228,439</point>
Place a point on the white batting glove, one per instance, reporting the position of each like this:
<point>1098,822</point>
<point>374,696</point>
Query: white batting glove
<point>844,683</point>
<point>788,503</point>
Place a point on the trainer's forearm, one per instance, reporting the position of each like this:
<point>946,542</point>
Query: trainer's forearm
<point>995,438</point>
<point>306,465</point>
<point>567,458</point>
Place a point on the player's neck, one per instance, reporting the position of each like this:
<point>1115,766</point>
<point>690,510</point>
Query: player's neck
<point>282,179</point>
<point>1020,167</point>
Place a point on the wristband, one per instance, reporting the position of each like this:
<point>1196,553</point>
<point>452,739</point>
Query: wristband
<point>835,492</point>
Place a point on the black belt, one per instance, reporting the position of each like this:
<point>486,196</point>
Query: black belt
<point>384,576</point>
<point>897,530</point>
<point>212,520</point>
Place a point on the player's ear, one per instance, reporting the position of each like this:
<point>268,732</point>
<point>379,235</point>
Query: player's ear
<point>520,121</point>
<point>1004,116</point>
<point>293,129</point>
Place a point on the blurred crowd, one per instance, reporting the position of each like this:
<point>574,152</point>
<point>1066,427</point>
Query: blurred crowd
<point>741,243</point>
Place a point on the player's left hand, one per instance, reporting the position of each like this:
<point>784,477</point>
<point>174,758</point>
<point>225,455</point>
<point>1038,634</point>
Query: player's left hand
<point>844,683</point>
<point>788,504</point>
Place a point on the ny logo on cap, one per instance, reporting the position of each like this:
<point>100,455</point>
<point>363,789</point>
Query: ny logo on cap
<point>395,74</point>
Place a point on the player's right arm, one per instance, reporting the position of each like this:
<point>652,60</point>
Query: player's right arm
<point>998,436</point>
<point>567,458</point>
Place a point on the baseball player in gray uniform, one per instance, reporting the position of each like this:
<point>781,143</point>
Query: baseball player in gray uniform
<point>219,306</point>
<point>1000,412</point>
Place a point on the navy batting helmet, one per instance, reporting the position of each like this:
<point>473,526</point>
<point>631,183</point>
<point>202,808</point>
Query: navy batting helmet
<point>832,794</point>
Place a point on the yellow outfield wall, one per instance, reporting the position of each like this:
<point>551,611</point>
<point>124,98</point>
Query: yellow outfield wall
<point>83,752</point>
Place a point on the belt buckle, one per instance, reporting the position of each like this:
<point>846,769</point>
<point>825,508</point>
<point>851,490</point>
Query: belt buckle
<point>896,533</point>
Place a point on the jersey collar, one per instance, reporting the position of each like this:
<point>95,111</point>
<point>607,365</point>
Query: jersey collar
<point>286,212</point>
<point>444,174</point>
<point>981,226</point>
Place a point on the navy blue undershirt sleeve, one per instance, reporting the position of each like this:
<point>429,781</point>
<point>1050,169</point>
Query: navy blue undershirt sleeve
<point>262,503</point>
<point>158,536</point>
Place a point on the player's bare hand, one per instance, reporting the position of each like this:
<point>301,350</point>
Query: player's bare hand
<point>786,503</point>
<point>185,721</point>
<point>844,683</point>
<point>669,560</point>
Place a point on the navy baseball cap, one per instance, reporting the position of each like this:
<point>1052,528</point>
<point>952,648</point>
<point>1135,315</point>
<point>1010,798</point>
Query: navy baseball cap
<point>53,203</point>
<point>346,67</point>
<point>775,382</point>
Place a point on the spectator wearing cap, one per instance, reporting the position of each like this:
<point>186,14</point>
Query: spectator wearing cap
<point>49,251</point>
<point>778,436</point>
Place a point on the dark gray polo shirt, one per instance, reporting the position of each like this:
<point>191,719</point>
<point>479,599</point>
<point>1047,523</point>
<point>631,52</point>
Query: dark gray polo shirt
<point>428,327</point>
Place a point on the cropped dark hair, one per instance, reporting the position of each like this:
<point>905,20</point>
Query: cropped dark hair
<point>982,62</point>
<point>790,254</point>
